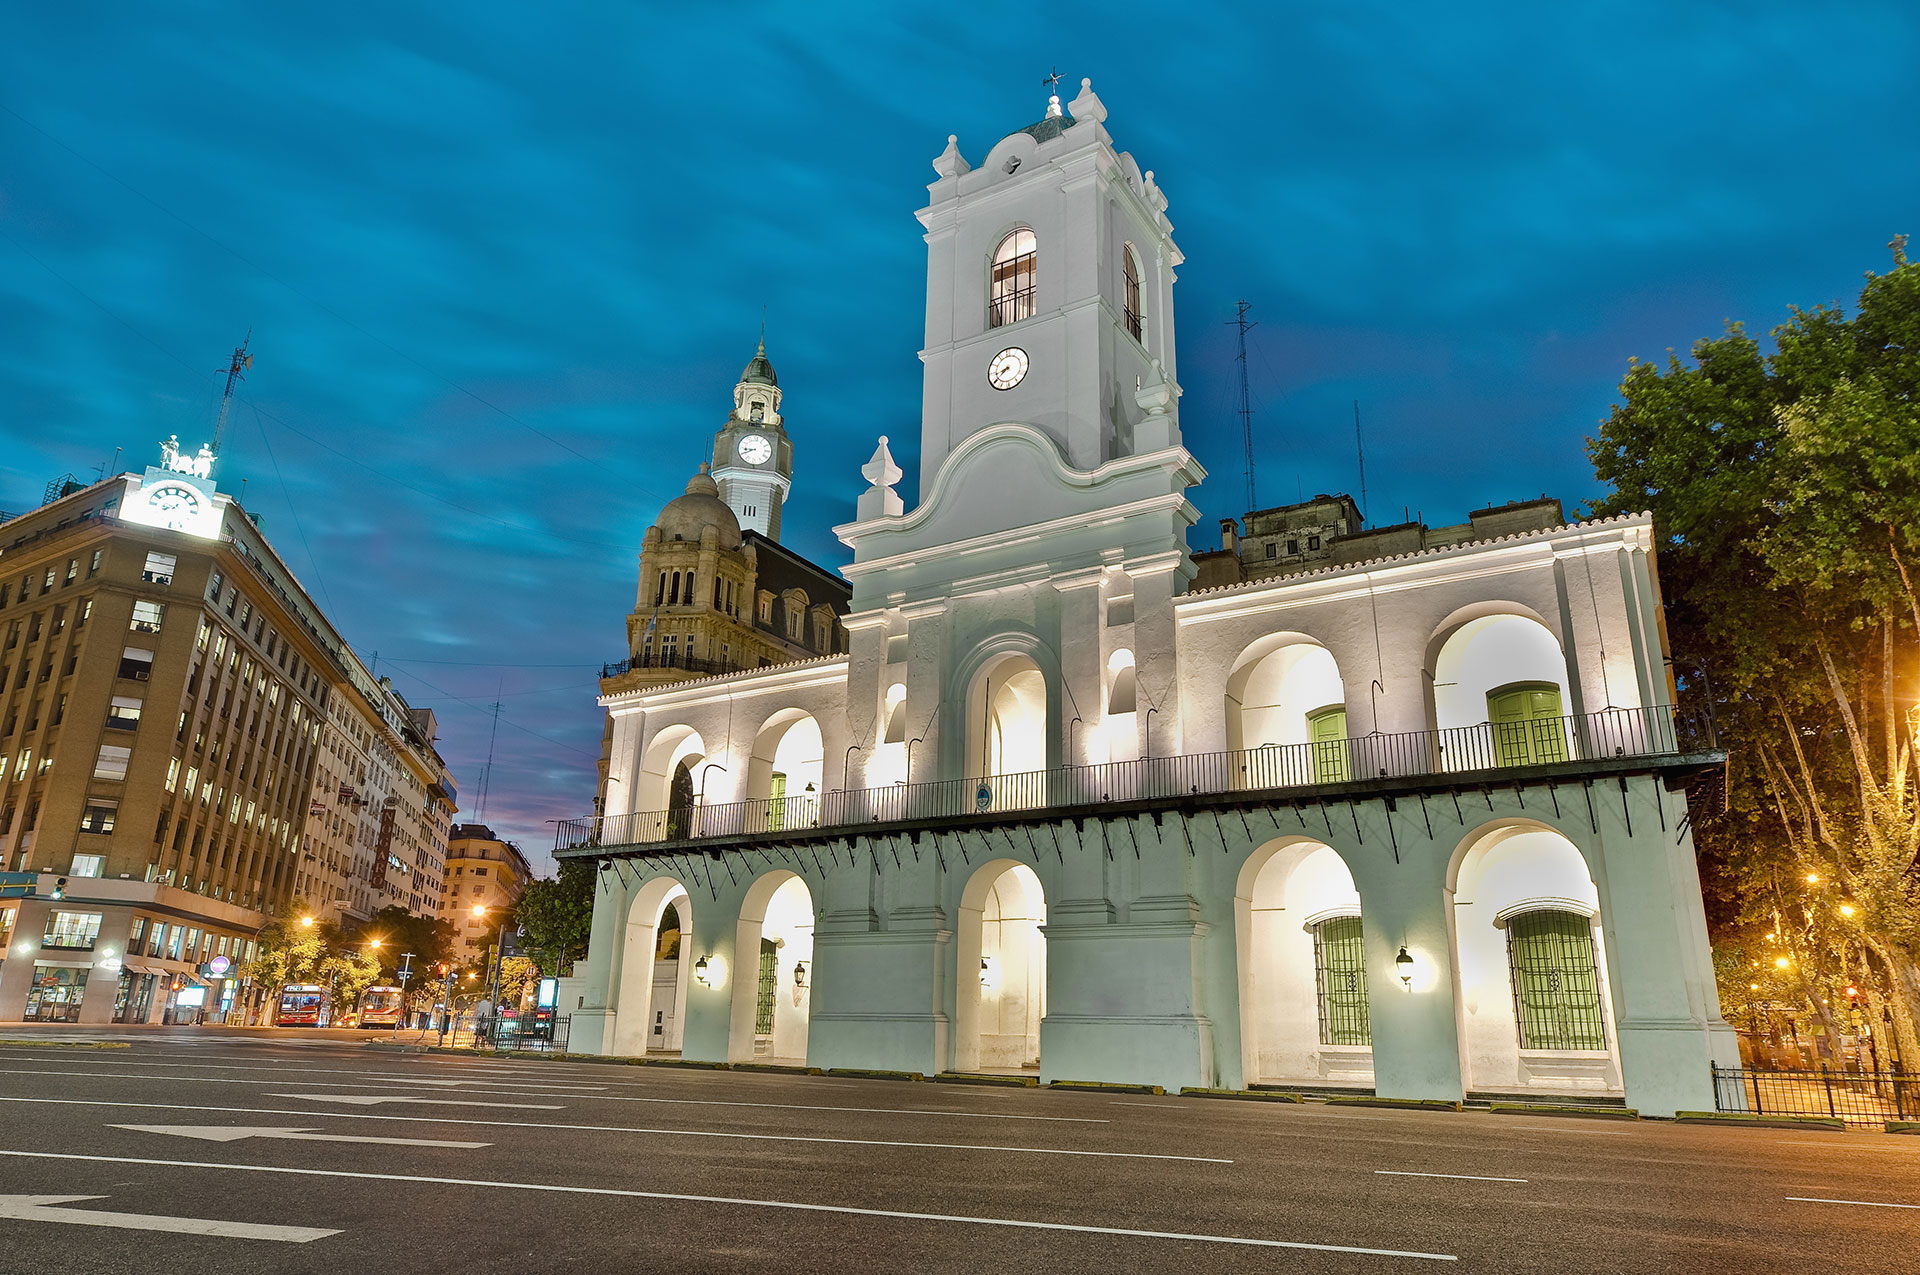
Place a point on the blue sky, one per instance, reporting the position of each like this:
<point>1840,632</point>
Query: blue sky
<point>502,264</point>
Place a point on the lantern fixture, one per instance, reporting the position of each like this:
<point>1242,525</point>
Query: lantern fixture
<point>1404,964</point>
<point>700,972</point>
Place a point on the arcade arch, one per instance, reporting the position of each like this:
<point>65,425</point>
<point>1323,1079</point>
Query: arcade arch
<point>1303,972</point>
<point>785,770</point>
<point>1007,718</point>
<point>1000,985</point>
<point>1287,706</point>
<point>650,1008</point>
<point>1506,674</point>
<point>664,789</point>
<point>1530,965</point>
<point>772,975</point>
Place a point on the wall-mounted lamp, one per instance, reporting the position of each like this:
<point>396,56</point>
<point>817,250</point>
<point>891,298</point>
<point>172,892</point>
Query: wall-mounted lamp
<point>799,973</point>
<point>700,972</point>
<point>989,971</point>
<point>1404,964</point>
<point>710,971</point>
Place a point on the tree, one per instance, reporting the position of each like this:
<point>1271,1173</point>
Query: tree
<point>429,938</point>
<point>556,915</point>
<point>1785,490</point>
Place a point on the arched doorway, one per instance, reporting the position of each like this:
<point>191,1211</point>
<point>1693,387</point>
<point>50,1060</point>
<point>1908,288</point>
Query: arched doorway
<point>1501,696</point>
<point>1007,733</point>
<point>773,958</point>
<point>1287,707</point>
<point>1304,1014</point>
<point>1000,986</point>
<point>664,789</point>
<point>785,771</point>
<point>1531,966</point>
<point>650,1008</point>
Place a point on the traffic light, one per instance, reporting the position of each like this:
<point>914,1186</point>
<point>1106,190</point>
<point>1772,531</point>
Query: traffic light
<point>1853,996</point>
<point>60,888</point>
<point>442,969</point>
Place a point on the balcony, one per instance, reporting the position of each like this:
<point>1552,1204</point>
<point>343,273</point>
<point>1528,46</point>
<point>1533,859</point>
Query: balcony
<point>1273,768</point>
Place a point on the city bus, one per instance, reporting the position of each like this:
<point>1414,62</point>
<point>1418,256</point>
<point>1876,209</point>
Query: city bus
<point>382,1007</point>
<point>301,1005</point>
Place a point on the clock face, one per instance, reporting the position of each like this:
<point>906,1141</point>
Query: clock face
<point>175,503</point>
<point>1008,369</point>
<point>755,450</point>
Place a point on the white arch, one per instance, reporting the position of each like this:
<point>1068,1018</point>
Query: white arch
<point>1285,889</point>
<point>664,754</point>
<point>1489,651</point>
<point>1498,872</point>
<point>787,763</point>
<point>1007,718</point>
<point>777,909</point>
<point>1001,968</point>
<point>650,995</point>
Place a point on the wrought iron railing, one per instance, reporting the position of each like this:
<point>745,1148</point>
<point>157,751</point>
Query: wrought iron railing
<point>670,659</point>
<point>1614,732</point>
<point>1857,1097</point>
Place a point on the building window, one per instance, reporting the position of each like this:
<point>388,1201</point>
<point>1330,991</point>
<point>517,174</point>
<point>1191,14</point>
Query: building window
<point>1556,983</point>
<point>93,568</point>
<point>88,865</point>
<point>1313,542</point>
<point>1293,547</point>
<point>72,929</point>
<point>112,762</point>
<point>146,617</point>
<point>1340,972</point>
<point>1012,297</point>
<point>99,816</point>
<point>769,984</point>
<point>1273,549</point>
<point>1130,292</point>
<point>1526,724</point>
<point>159,568</point>
<point>124,713</point>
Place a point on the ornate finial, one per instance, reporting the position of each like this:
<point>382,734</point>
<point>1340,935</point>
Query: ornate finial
<point>1052,81</point>
<point>880,500</point>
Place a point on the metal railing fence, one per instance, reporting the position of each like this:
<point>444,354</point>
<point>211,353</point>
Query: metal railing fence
<point>1857,1097</point>
<point>1614,732</point>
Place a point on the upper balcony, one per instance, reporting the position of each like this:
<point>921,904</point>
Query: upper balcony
<point>1547,747</point>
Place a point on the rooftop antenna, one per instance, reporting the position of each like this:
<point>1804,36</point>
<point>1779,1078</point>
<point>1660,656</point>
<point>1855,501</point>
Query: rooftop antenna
<point>1360,448</point>
<point>236,371</point>
<point>486,776</point>
<point>1239,320</point>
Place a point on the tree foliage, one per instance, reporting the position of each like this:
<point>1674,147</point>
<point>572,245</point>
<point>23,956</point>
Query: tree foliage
<point>556,915</point>
<point>1785,489</point>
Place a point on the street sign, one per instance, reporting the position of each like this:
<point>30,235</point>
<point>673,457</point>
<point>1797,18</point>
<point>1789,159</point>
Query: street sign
<point>18,885</point>
<point>219,966</point>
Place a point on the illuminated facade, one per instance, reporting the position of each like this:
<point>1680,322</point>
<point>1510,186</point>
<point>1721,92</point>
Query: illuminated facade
<point>486,873</point>
<point>1411,823</point>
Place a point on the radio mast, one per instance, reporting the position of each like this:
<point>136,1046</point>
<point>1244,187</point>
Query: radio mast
<point>236,371</point>
<point>1239,321</point>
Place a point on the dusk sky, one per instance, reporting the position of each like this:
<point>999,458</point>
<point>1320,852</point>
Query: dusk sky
<point>502,265</point>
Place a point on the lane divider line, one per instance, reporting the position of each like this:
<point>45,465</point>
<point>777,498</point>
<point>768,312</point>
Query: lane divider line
<point>1871,1204</point>
<point>1459,1177</point>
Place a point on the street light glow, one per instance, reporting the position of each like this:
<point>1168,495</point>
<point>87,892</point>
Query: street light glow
<point>1781,962</point>
<point>306,922</point>
<point>1846,909</point>
<point>1813,878</point>
<point>479,909</point>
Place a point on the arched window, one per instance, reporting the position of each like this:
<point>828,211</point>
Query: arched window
<point>1340,975</point>
<point>1013,271</point>
<point>1130,292</point>
<point>1556,985</point>
<point>673,597</point>
<point>660,594</point>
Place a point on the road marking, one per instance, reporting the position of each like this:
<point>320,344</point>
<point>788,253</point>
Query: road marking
<point>1871,1204</point>
<point>791,1205</point>
<point>234,1133</point>
<point>601,1097</point>
<point>374,1100</point>
<point>1461,1177</point>
<point>39,1208</point>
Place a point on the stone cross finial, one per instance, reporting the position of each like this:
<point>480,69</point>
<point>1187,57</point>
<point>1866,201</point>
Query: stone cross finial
<point>880,500</point>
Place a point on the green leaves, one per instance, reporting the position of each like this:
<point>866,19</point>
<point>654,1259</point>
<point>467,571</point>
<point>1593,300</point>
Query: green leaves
<point>557,915</point>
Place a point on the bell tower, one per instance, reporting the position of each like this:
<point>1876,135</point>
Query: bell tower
<point>752,455</point>
<point>1050,272</point>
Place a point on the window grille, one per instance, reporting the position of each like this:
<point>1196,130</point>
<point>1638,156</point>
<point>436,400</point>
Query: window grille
<point>1556,985</point>
<point>1130,299</point>
<point>769,983</point>
<point>1013,279</point>
<point>1340,970</point>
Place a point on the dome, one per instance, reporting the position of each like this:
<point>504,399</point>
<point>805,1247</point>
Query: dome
<point>759,370</point>
<point>685,517</point>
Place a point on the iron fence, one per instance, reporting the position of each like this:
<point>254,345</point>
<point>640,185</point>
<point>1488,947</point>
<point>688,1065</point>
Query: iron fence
<point>1857,1097</point>
<point>1614,732</point>
<point>506,1035</point>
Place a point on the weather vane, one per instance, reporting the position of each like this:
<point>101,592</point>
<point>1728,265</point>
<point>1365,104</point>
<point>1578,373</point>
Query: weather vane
<point>1053,83</point>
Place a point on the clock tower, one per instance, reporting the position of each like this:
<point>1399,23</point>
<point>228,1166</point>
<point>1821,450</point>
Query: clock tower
<point>752,455</point>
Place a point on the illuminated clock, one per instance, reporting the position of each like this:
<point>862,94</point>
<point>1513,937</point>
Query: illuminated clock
<point>1008,369</point>
<point>755,450</point>
<point>175,505</point>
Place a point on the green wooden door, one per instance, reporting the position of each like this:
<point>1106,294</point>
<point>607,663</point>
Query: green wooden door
<point>1327,730</point>
<point>1556,986</point>
<point>769,983</point>
<point>1340,962</point>
<point>777,808</point>
<point>1526,724</point>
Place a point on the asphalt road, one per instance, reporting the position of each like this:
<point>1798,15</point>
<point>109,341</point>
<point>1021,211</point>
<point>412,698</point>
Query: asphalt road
<point>534,1166</point>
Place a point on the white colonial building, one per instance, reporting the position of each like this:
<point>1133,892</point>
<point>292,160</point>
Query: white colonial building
<point>1414,824</point>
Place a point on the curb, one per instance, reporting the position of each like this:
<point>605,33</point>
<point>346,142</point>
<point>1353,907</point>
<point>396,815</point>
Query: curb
<point>1107,1086</point>
<point>1546,1109</point>
<point>1903,1126</point>
<point>773,1069</point>
<point>1244,1095</point>
<point>862,1073</point>
<point>978,1078</point>
<point>69,1044</point>
<point>1411,1104</point>
<point>1741,1119</point>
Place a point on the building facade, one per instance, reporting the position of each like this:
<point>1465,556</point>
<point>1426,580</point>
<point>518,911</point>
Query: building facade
<point>485,876</point>
<point>167,693</point>
<point>1412,822</point>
